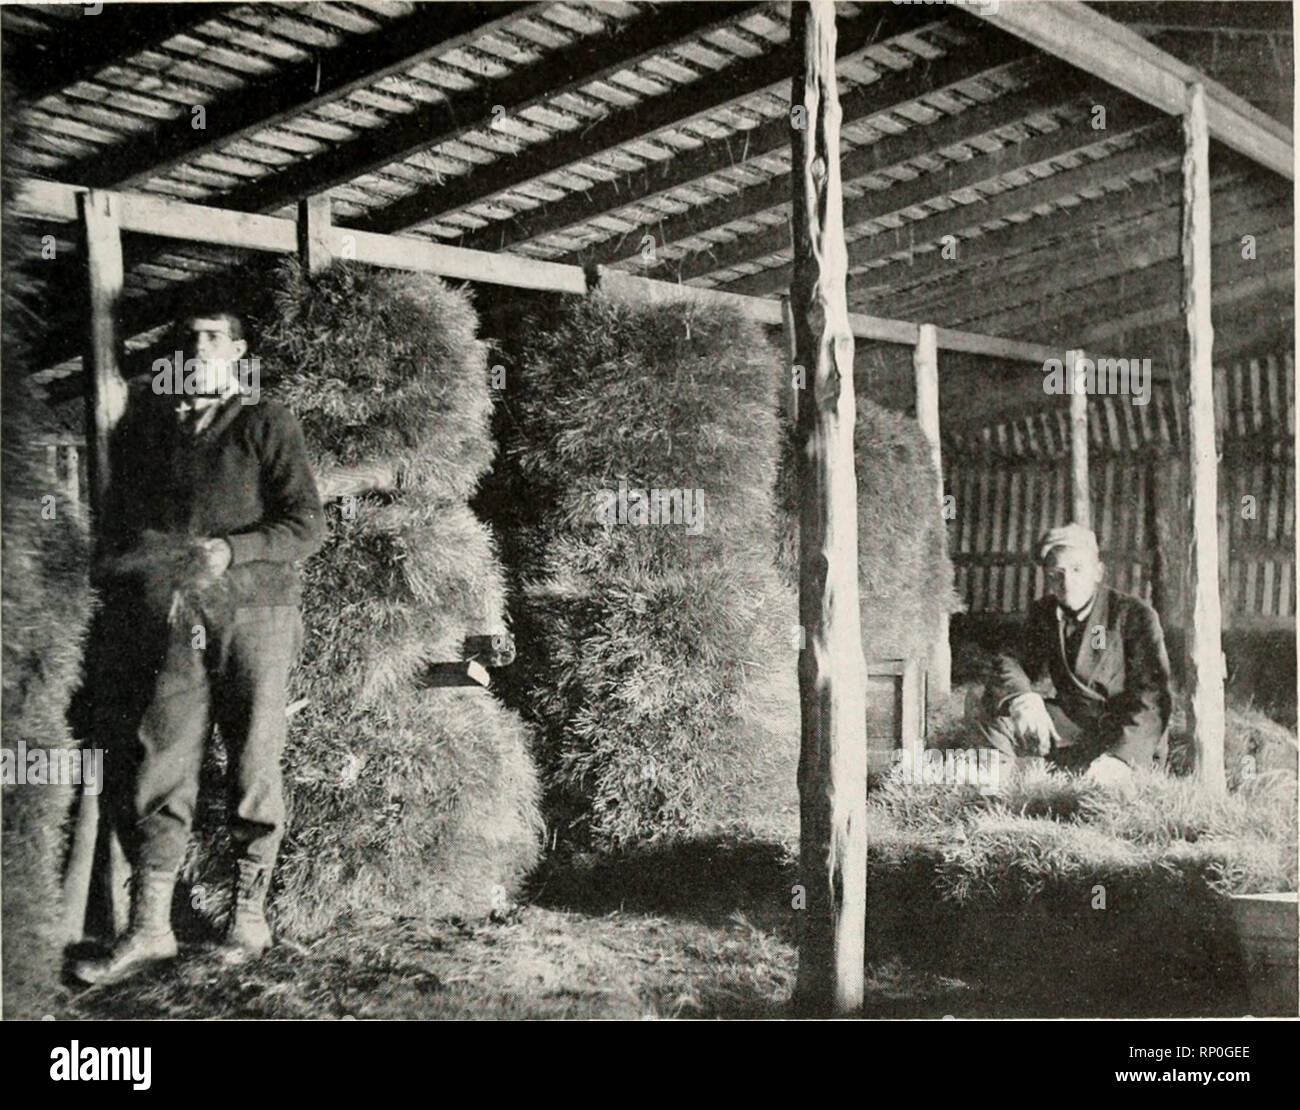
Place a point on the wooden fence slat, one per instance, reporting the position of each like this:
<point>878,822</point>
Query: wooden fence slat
<point>1112,424</point>
<point>1288,503</point>
<point>1256,402</point>
<point>1288,379</point>
<point>1273,486</point>
<point>1239,398</point>
<point>1274,405</point>
<point>1011,572</point>
<point>1107,506</point>
<point>1031,491</point>
<point>981,541</point>
<point>1137,540</point>
<point>1012,498</point>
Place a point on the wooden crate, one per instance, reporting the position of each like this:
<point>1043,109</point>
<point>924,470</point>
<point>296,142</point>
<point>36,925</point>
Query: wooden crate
<point>896,691</point>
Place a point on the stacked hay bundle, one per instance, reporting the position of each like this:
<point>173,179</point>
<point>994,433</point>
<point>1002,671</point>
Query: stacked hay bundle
<point>905,578</point>
<point>402,799</point>
<point>655,646</point>
<point>47,605</point>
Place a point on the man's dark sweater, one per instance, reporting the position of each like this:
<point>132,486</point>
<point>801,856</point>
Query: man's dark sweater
<point>1111,677</point>
<point>244,478</point>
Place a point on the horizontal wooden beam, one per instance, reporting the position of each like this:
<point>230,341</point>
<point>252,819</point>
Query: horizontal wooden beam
<point>149,215</point>
<point>1090,41</point>
<point>1205,16</point>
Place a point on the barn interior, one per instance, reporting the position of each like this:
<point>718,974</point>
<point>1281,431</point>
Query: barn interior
<point>1021,193</point>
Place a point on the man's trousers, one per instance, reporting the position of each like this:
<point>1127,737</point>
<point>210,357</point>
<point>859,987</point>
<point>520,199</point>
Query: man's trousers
<point>163,699</point>
<point>997,730</point>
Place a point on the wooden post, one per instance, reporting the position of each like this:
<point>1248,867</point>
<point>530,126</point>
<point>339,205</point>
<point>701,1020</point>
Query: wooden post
<point>832,672</point>
<point>314,219</point>
<point>793,385</point>
<point>105,402</point>
<point>925,363</point>
<point>1204,638</point>
<point>1080,495</point>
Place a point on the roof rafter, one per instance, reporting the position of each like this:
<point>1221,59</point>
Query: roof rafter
<point>565,69</point>
<point>709,94</point>
<point>305,87</point>
<point>926,188</point>
<point>1132,223</point>
<point>42,68</point>
<point>1147,288</point>
<point>887,152</point>
<point>1159,151</point>
<point>1057,288</point>
<point>771,137</point>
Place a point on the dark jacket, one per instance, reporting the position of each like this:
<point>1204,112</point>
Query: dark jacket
<point>1116,688</point>
<point>245,478</point>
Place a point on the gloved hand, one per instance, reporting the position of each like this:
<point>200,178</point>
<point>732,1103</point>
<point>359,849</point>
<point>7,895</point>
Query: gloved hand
<point>1032,722</point>
<point>207,561</point>
<point>1109,771</point>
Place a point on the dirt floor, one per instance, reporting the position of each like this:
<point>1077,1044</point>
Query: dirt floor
<point>703,932</point>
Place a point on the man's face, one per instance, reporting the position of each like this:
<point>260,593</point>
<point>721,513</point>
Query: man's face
<point>1072,576</point>
<point>208,340</point>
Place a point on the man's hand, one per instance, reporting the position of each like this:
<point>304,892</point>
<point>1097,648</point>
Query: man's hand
<point>208,562</point>
<point>1109,771</point>
<point>1031,721</point>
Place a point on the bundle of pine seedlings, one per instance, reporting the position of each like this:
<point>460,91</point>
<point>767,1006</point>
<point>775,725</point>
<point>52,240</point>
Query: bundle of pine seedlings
<point>47,606</point>
<point>657,645</point>
<point>905,578</point>
<point>1059,886</point>
<point>403,799</point>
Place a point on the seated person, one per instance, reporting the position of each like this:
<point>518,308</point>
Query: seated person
<point>1103,654</point>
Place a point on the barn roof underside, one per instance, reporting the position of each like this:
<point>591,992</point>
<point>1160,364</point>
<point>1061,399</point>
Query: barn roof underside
<point>655,139</point>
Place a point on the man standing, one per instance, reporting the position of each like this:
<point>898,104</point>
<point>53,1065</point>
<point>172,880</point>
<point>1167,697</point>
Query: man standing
<point>1103,654</point>
<point>211,503</point>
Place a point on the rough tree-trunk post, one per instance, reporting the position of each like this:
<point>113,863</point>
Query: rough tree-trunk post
<point>1080,495</point>
<point>93,838</point>
<point>792,385</point>
<point>925,363</point>
<point>832,673</point>
<point>1204,650</point>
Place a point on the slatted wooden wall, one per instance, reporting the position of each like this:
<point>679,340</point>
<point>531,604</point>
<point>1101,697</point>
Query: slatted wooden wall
<point>1010,482</point>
